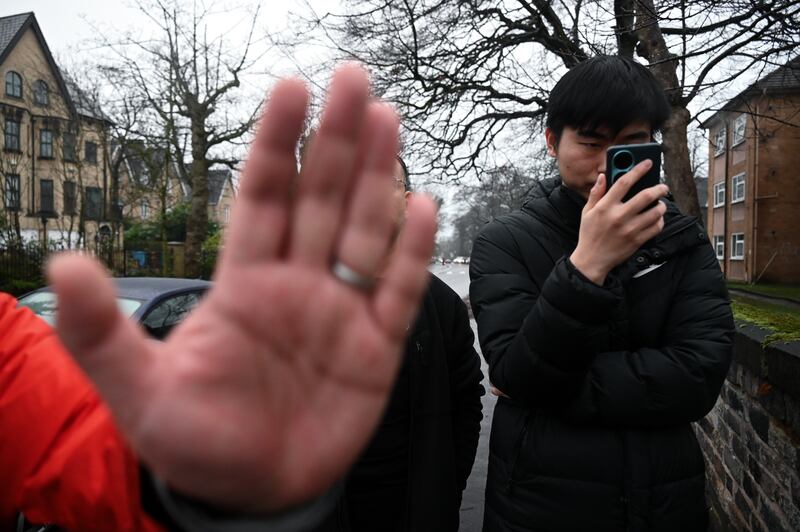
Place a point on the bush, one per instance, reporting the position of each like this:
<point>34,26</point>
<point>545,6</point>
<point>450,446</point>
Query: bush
<point>18,287</point>
<point>140,234</point>
<point>209,253</point>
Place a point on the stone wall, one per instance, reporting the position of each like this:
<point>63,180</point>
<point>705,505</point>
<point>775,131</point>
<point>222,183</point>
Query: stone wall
<point>751,439</point>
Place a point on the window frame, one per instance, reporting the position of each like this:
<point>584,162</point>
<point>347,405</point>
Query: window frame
<point>41,89</point>
<point>93,159</point>
<point>719,240</point>
<point>717,188</point>
<point>49,195</point>
<point>51,143</point>
<point>144,208</point>
<point>739,123</point>
<point>90,214</point>
<point>12,192</point>
<point>70,199</point>
<point>71,146</point>
<point>10,77</point>
<point>720,140</point>
<point>734,238</point>
<point>742,181</point>
<point>7,135</point>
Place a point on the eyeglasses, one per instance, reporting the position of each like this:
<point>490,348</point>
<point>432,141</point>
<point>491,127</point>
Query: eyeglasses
<point>400,183</point>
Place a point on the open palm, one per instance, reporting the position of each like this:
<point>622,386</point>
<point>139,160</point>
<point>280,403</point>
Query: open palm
<point>266,394</point>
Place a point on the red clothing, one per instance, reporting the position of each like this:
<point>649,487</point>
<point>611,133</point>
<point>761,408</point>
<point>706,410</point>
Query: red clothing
<point>62,460</point>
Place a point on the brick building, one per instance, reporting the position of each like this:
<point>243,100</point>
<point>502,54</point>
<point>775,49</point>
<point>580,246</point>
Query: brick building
<point>754,185</point>
<point>53,164</point>
<point>145,184</point>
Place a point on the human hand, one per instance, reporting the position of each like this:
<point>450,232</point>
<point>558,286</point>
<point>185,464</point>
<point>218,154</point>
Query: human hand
<point>497,392</point>
<point>612,230</point>
<point>269,390</point>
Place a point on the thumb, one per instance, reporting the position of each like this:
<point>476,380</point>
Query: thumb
<point>597,192</point>
<point>109,348</point>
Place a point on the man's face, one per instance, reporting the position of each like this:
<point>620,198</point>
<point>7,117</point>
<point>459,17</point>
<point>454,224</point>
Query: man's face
<point>400,196</point>
<point>581,154</point>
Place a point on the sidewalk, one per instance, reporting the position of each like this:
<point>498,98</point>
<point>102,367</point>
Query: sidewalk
<point>472,501</point>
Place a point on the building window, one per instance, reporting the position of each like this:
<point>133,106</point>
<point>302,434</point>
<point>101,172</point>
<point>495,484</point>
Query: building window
<point>719,246</point>
<point>46,143</point>
<point>11,134</point>
<point>70,198</point>
<point>90,152</point>
<point>69,146</point>
<point>47,203</point>
<point>144,209</point>
<point>93,202</point>
<point>739,126</point>
<point>13,85</point>
<point>737,246</point>
<point>719,194</point>
<point>737,194</point>
<point>227,213</point>
<point>11,192</point>
<point>41,93</point>
<point>719,141</point>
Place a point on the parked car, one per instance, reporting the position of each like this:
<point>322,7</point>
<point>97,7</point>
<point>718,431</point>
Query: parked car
<point>159,304</point>
<point>461,260</point>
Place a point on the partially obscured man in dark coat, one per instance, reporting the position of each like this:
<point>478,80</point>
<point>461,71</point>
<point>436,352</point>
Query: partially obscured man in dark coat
<point>605,323</point>
<point>411,476</point>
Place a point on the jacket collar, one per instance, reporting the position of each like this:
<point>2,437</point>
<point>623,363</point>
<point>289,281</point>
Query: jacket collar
<point>556,206</point>
<point>560,208</point>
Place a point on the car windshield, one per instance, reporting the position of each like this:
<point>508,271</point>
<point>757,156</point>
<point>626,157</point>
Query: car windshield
<point>44,305</point>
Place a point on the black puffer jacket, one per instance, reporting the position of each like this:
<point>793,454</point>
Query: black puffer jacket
<point>444,394</point>
<point>604,381</point>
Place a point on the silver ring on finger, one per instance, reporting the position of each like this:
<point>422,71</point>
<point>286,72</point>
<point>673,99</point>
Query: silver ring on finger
<point>349,276</point>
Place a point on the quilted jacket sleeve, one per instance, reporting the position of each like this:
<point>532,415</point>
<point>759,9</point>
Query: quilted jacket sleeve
<point>537,340</point>
<point>543,343</point>
<point>678,381</point>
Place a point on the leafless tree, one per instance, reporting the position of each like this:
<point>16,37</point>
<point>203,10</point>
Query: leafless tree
<point>186,82</point>
<point>473,77</point>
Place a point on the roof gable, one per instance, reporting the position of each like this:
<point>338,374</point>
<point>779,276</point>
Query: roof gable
<point>785,78</point>
<point>12,28</point>
<point>217,179</point>
<point>10,31</point>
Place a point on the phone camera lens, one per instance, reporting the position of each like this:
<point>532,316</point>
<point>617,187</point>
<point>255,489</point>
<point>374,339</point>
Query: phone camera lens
<point>623,160</point>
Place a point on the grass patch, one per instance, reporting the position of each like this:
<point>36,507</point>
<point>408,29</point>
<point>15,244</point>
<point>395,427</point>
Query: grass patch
<point>783,321</point>
<point>791,291</point>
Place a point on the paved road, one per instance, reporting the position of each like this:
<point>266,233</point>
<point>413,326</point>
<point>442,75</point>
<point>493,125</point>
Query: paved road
<point>457,277</point>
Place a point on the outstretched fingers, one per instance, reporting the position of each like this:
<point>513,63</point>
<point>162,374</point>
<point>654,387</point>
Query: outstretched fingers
<point>372,211</point>
<point>260,218</point>
<point>397,296</point>
<point>329,170</point>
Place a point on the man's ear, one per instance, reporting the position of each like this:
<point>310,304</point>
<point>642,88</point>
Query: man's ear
<point>552,142</point>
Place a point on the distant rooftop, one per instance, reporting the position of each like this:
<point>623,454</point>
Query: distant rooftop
<point>785,78</point>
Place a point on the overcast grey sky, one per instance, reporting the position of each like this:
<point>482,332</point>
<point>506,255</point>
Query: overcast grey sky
<point>64,23</point>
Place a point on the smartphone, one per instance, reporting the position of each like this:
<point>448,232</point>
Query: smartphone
<point>621,159</point>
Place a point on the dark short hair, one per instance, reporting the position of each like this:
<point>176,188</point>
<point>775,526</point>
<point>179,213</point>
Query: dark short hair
<point>406,177</point>
<point>607,91</point>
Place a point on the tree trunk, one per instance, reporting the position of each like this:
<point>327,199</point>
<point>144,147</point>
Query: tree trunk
<point>664,65</point>
<point>197,222</point>
<point>17,228</point>
<point>677,165</point>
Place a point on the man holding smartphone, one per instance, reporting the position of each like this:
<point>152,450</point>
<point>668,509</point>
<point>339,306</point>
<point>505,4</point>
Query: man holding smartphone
<point>606,325</point>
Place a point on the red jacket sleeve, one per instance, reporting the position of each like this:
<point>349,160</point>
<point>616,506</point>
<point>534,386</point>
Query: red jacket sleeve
<point>62,460</point>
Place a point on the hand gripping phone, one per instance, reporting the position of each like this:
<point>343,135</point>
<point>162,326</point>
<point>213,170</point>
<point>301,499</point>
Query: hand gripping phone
<point>621,159</point>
